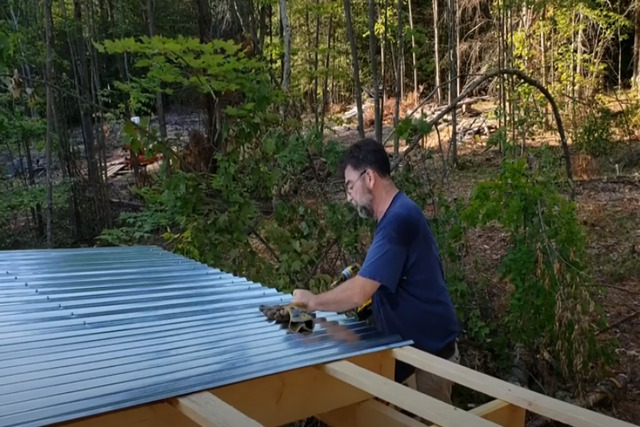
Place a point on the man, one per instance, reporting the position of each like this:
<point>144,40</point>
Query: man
<point>401,272</point>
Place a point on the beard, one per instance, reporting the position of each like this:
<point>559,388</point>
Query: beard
<point>365,209</point>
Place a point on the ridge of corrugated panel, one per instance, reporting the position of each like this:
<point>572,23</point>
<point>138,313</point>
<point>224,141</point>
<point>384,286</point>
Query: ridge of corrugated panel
<point>92,330</point>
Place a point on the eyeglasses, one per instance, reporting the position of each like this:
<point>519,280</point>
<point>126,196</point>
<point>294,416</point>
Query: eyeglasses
<point>348,188</point>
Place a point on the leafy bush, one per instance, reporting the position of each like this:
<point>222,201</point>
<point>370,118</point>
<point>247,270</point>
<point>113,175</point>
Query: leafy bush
<point>551,307</point>
<point>595,135</point>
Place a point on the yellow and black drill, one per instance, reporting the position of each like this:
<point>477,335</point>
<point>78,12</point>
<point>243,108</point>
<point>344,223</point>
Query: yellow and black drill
<point>364,311</point>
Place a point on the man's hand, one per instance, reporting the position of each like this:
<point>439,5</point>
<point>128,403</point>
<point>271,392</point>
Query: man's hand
<point>304,297</point>
<point>346,296</point>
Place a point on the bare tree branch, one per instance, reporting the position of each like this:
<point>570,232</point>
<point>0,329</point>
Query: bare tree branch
<point>473,86</point>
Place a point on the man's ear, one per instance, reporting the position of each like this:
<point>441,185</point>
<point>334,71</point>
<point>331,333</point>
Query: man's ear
<point>371,178</point>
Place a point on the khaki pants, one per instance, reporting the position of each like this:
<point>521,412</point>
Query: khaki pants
<point>433,385</point>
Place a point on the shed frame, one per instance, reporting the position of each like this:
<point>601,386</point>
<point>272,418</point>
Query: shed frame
<point>352,392</point>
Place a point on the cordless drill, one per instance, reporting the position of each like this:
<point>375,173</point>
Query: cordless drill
<point>364,311</point>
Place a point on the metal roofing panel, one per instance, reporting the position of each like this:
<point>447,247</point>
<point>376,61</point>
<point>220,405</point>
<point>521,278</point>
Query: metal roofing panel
<point>92,330</point>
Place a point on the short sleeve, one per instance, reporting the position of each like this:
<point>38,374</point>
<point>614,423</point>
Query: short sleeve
<point>385,259</point>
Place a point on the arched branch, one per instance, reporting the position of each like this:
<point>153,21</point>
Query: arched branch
<point>413,143</point>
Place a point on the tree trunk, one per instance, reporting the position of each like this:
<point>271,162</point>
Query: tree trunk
<point>286,30</point>
<point>396,140</point>
<point>374,73</point>
<point>264,10</point>
<point>49,91</point>
<point>578,89</point>
<point>436,55</point>
<point>382,61</point>
<point>453,77</point>
<point>211,106</point>
<point>572,90</point>
<point>413,58</point>
<point>327,62</point>
<point>636,46</point>
<point>543,55</point>
<point>316,65</point>
<point>356,70</point>
<point>457,34</point>
<point>162,124</point>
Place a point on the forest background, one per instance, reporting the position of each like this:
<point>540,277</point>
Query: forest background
<point>213,128</point>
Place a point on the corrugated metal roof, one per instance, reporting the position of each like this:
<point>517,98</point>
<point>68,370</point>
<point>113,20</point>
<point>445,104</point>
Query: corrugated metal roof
<point>88,331</point>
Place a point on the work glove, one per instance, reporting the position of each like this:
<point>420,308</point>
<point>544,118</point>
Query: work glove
<point>297,318</point>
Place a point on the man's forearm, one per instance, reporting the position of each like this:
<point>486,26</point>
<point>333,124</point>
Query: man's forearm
<point>339,299</point>
<point>348,295</point>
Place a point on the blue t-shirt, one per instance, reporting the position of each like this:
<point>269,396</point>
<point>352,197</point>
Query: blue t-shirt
<point>413,300</point>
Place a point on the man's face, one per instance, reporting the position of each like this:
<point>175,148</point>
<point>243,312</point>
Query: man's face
<point>359,194</point>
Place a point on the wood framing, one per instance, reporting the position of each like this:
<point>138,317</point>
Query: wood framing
<point>210,411</point>
<point>160,414</point>
<point>375,413</point>
<point>370,413</point>
<point>535,402</point>
<point>501,413</point>
<point>275,400</point>
<point>413,401</point>
<point>353,392</point>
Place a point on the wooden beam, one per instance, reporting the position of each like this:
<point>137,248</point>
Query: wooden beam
<point>210,411</point>
<point>375,413</point>
<point>275,400</point>
<point>413,401</point>
<point>535,402</point>
<point>159,414</point>
<point>503,413</point>
<point>370,413</point>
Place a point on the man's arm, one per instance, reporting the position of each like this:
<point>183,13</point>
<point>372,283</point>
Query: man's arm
<point>350,294</point>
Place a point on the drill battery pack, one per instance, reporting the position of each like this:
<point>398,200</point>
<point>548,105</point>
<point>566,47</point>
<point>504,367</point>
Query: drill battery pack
<point>364,311</point>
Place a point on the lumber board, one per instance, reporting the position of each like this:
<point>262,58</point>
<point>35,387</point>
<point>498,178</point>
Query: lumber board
<point>159,414</point>
<point>210,411</point>
<point>402,396</point>
<point>370,413</point>
<point>278,399</point>
<point>374,413</point>
<point>503,413</point>
<point>527,399</point>
<point>113,169</point>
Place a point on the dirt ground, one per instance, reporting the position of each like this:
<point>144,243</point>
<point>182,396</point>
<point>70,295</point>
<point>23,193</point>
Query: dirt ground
<point>610,213</point>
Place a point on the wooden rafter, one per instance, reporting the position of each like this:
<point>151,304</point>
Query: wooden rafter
<point>535,402</point>
<point>274,400</point>
<point>411,400</point>
<point>503,413</point>
<point>211,411</point>
<point>373,413</point>
<point>368,414</point>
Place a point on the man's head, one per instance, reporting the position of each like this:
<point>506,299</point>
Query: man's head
<point>367,175</point>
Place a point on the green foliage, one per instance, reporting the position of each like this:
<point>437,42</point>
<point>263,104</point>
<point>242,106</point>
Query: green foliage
<point>550,306</point>
<point>219,68</point>
<point>450,231</point>
<point>217,220</point>
<point>16,203</point>
<point>595,135</point>
<point>6,49</point>
<point>409,128</point>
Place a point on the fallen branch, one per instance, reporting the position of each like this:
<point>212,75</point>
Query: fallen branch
<point>472,87</point>
<point>619,288</point>
<point>619,322</point>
